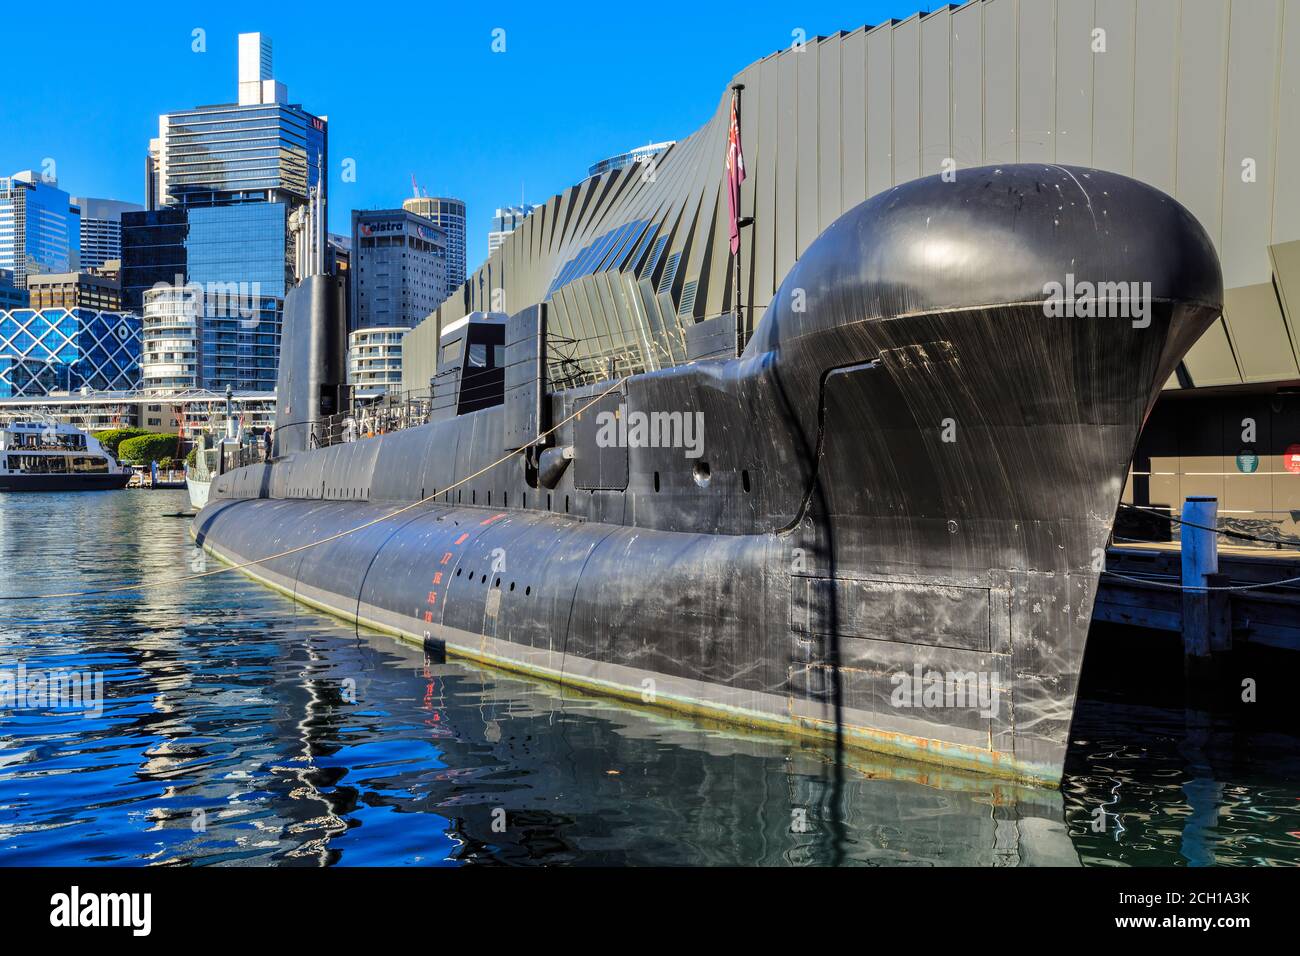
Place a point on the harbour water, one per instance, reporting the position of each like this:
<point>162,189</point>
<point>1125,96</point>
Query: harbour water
<point>239,728</point>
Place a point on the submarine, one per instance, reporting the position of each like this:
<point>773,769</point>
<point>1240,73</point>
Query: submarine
<point>881,523</point>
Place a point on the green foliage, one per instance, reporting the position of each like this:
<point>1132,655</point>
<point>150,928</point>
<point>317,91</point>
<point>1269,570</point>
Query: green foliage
<point>113,437</point>
<point>146,448</point>
<point>192,456</point>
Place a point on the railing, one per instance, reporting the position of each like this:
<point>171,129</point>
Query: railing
<point>390,412</point>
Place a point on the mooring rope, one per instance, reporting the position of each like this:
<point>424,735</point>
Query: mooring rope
<point>310,544</point>
<point>1200,587</point>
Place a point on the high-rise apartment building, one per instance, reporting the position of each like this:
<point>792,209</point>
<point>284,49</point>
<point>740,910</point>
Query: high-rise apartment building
<point>101,229</point>
<point>222,182</point>
<point>449,216</point>
<point>40,228</point>
<point>506,221</point>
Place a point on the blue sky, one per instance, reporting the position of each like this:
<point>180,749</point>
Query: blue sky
<point>408,87</point>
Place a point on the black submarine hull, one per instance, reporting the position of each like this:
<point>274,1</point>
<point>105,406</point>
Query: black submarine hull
<point>889,535</point>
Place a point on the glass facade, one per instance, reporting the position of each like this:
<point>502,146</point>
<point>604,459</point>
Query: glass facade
<point>40,228</point>
<point>233,153</point>
<point>153,252</point>
<point>237,256</point>
<point>64,350</point>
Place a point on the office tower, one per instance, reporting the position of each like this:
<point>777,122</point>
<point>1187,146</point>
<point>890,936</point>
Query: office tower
<point>506,221</point>
<point>449,216</point>
<point>40,228</point>
<point>398,275</point>
<point>227,179</point>
<point>101,229</point>
<point>641,154</point>
<point>74,290</point>
<point>399,263</point>
<point>11,297</point>
<point>153,175</point>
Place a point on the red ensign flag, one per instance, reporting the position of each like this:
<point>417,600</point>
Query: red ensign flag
<point>735,174</point>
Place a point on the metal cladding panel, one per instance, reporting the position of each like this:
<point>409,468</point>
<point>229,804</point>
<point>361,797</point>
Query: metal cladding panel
<point>853,120</point>
<point>1248,166</point>
<point>1264,349</point>
<point>1286,271</point>
<point>1286,123</point>
<point>1113,93</point>
<point>1155,93</point>
<point>880,109</point>
<point>1203,67</point>
<point>907,100</point>
<point>829,132</point>
<point>1001,118</point>
<point>1037,104</point>
<point>936,91</point>
<point>1211,362</point>
<point>805,180</point>
<point>764,180</point>
<point>968,85</point>
<point>784,223</point>
<point>1075,61</point>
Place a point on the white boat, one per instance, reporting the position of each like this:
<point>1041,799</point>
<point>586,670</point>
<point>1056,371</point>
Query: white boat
<point>207,458</point>
<point>55,456</point>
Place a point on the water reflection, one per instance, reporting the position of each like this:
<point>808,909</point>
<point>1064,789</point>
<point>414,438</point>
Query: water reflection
<point>242,729</point>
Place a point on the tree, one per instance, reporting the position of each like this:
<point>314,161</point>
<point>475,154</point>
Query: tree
<point>111,438</point>
<point>147,448</point>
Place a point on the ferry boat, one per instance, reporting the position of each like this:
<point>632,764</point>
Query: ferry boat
<point>55,456</point>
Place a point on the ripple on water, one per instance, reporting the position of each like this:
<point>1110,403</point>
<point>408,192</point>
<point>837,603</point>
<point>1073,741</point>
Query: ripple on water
<point>239,728</point>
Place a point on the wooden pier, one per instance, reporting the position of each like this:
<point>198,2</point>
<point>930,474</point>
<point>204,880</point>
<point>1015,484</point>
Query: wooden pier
<point>1183,587</point>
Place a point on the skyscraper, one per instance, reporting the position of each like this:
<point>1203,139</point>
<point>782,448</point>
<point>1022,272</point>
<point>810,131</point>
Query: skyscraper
<point>40,228</point>
<point>101,229</point>
<point>223,182</point>
<point>449,216</point>
<point>397,275</point>
<point>506,221</point>
<point>398,267</point>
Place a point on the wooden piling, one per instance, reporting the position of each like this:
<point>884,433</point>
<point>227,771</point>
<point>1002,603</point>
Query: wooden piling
<point>1206,614</point>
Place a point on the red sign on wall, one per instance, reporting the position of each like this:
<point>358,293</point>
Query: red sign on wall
<point>1291,459</point>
